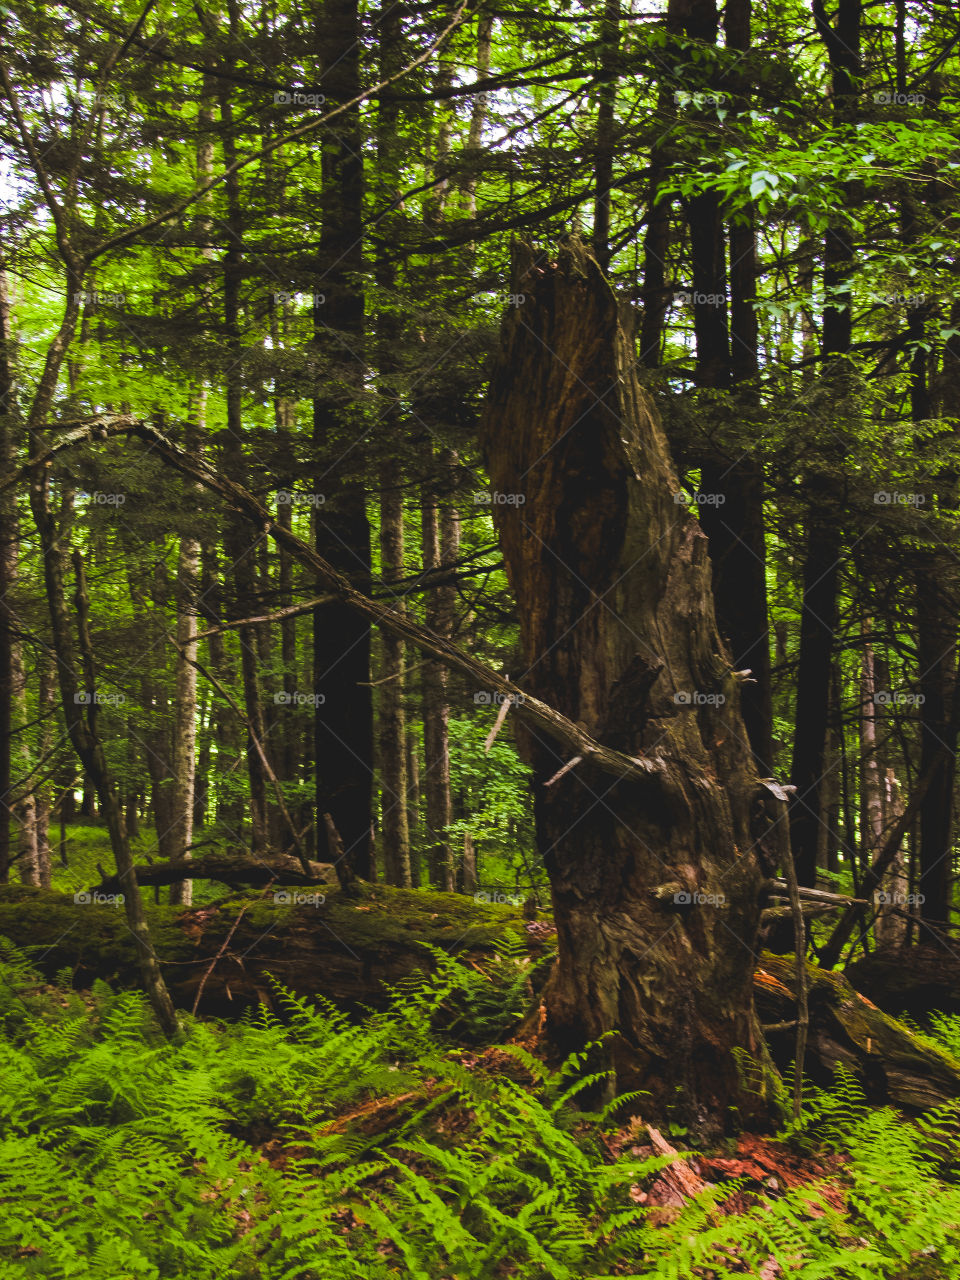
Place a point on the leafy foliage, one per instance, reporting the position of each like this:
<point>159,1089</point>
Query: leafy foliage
<point>304,1145</point>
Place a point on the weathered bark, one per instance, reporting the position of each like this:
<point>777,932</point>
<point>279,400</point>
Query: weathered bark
<point>46,709</point>
<point>469,874</point>
<point>618,631</point>
<point>24,806</point>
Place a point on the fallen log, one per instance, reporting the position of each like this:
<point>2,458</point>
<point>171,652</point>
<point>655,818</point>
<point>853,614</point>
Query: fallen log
<point>316,942</point>
<point>892,1063</point>
<point>353,949</point>
<point>232,868</point>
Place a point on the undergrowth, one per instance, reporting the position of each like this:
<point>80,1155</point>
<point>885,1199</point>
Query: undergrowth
<point>304,1145</point>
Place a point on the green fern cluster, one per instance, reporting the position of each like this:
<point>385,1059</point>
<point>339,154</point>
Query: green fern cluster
<point>303,1145</point>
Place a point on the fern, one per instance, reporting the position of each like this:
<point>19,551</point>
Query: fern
<point>231,1156</point>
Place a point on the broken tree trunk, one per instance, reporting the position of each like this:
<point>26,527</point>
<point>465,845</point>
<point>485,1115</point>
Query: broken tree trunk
<point>656,887</point>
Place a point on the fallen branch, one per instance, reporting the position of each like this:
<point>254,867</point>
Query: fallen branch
<point>240,500</point>
<point>236,870</point>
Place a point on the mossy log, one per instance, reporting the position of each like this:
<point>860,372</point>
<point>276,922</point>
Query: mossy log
<point>351,949</point>
<point>347,948</point>
<point>893,1064</point>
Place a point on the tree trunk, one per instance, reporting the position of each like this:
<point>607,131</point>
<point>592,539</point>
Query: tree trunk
<point>817,626</point>
<point>8,573</point>
<point>184,753</point>
<point>606,128</point>
<point>240,543</point>
<point>656,884</point>
<point>818,618</point>
<point>393,732</point>
<point>85,739</point>
<point>436,718</point>
<point>343,723</point>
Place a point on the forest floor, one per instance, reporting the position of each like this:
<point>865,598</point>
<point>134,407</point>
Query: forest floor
<point>423,1142</point>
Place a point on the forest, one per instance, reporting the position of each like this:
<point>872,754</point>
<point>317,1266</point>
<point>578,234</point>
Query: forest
<point>479,620</point>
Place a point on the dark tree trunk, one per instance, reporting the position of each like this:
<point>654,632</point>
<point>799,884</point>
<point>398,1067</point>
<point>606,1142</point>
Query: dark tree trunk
<point>343,724</point>
<point>656,883</point>
<point>818,618</point>
<point>240,543</point>
<point>817,625</point>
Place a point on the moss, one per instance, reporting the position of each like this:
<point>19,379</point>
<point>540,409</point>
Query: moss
<point>379,916</point>
<point>53,929</point>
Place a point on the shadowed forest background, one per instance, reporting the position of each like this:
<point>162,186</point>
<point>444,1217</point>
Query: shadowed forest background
<point>479,496</point>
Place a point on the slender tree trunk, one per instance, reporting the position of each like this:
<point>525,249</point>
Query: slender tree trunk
<point>24,807</point>
<point>656,884</point>
<point>393,733</point>
<point>240,549</point>
<point>81,720</point>
<point>184,754</point>
<point>436,717</point>
<point>46,709</point>
<point>8,571</point>
<point>606,131</point>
